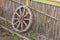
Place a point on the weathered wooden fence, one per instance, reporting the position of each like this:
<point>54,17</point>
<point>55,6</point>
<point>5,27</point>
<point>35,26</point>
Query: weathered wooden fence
<point>46,18</point>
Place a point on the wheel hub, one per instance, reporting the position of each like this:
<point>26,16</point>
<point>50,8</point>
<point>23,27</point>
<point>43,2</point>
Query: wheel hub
<point>21,18</point>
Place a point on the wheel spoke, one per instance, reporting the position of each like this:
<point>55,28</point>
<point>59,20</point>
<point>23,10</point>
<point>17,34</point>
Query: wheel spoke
<point>18,25</point>
<point>25,23</point>
<point>26,19</point>
<point>17,14</point>
<point>20,12</point>
<point>15,18</point>
<point>21,26</point>
<point>16,22</point>
<point>26,14</point>
<point>23,11</point>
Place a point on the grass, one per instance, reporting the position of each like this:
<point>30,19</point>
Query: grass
<point>6,33</point>
<point>15,37</point>
<point>5,23</point>
<point>34,37</point>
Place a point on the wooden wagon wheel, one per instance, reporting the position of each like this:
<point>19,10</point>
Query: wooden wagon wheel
<point>21,19</point>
